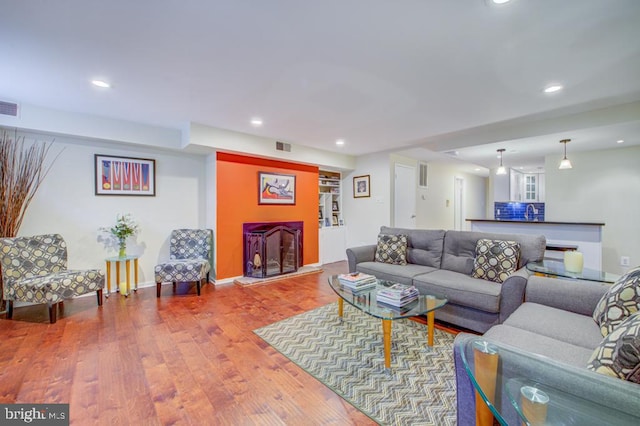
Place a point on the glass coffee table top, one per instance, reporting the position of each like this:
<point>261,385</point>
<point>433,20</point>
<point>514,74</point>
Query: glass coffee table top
<point>556,268</point>
<point>518,387</point>
<point>365,300</point>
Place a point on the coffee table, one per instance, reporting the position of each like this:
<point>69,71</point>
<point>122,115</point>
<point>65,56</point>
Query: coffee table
<point>365,301</point>
<point>555,268</point>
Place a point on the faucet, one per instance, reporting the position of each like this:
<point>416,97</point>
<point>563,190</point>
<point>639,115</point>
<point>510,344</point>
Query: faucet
<point>526,212</point>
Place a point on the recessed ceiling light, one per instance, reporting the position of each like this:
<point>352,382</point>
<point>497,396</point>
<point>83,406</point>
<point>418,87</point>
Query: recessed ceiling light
<point>340,142</point>
<point>256,122</point>
<point>620,141</point>
<point>553,88</point>
<point>477,169</point>
<point>100,83</point>
<point>500,1</point>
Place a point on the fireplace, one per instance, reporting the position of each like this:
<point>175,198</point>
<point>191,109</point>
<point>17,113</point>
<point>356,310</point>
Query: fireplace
<point>272,248</point>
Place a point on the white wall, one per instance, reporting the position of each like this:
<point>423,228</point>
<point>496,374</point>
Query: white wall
<point>363,217</point>
<point>435,206</point>
<point>603,186</point>
<point>66,204</point>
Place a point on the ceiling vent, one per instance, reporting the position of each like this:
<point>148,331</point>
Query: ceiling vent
<point>281,146</point>
<point>8,108</point>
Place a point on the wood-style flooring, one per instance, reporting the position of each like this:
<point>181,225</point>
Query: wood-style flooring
<point>179,359</point>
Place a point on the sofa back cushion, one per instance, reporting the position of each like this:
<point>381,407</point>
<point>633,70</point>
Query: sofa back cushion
<point>424,246</point>
<point>460,248</point>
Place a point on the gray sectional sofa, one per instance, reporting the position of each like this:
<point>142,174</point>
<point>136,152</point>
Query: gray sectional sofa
<point>441,262</point>
<point>555,331</point>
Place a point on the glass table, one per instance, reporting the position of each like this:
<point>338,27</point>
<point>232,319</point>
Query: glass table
<point>556,269</point>
<point>365,300</point>
<point>517,387</point>
<point>127,262</point>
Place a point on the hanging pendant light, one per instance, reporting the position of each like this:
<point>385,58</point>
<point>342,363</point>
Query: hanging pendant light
<point>501,170</point>
<point>565,163</point>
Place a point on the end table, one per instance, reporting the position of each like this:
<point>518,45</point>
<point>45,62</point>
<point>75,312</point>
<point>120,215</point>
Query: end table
<point>127,261</point>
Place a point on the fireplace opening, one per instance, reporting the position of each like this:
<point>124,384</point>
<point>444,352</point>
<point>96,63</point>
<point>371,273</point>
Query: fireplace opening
<point>272,248</point>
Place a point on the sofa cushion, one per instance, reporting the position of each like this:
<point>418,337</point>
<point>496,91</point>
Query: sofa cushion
<point>399,273</point>
<point>579,330</point>
<point>460,289</point>
<point>424,245</point>
<point>495,259</point>
<point>622,300</point>
<point>619,353</point>
<point>392,249</point>
<point>459,249</point>
<point>529,341</point>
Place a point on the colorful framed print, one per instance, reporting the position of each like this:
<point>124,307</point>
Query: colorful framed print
<point>276,188</point>
<point>361,186</point>
<point>124,176</point>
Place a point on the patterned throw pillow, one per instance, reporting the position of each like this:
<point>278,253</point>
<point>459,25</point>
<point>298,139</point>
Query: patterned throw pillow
<point>619,353</point>
<point>495,259</point>
<point>392,249</point>
<point>620,301</point>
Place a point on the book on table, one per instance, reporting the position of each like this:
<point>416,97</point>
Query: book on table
<point>357,280</point>
<point>397,294</point>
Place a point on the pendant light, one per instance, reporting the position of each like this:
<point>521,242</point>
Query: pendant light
<point>565,163</point>
<point>501,170</point>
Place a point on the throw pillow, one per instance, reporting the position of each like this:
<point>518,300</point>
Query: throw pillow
<point>619,353</point>
<point>495,259</point>
<point>392,249</point>
<point>620,301</point>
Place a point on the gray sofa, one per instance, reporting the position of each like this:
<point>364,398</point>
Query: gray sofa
<point>441,262</point>
<point>557,334</point>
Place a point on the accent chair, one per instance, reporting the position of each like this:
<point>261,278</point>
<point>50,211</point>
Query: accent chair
<point>34,270</point>
<point>190,260</point>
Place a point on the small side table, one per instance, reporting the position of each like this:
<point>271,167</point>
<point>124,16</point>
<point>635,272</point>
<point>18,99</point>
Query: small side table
<point>127,261</point>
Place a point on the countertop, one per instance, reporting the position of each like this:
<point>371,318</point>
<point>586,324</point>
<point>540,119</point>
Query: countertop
<point>543,222</point>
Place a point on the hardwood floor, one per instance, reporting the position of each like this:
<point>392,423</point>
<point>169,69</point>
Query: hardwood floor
<point>180,359</point>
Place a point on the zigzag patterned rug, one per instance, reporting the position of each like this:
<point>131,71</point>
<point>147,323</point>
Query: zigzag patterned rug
<point>348,357</point>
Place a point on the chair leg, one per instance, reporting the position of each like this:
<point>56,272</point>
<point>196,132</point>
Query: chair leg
<point>198,283</point>
<point>53,308</point>
<point>158,285</point>
<point>99,295</point>
<point>9,309</point>
<point>174,286</point>
<point>207,279</point>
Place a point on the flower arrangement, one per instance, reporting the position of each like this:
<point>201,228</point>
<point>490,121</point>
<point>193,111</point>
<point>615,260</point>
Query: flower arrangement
<point>124,228</point>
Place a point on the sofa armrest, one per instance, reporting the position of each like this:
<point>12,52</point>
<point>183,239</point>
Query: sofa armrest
<point>512,293</point>
<point>356,255</point>
<point>577,296</point>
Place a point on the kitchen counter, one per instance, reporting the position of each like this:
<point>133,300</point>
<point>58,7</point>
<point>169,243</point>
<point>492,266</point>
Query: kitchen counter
<point>550,222</point>
<point>587,236</point>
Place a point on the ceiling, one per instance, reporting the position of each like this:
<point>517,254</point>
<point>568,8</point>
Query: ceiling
<point>428,76</point>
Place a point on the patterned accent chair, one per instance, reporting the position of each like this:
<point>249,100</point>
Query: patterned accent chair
<point>34,269</point>
<point>190,258</point>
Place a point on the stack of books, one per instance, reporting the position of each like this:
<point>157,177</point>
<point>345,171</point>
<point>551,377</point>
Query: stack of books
<point>357,281</point>
<point>397,295</point>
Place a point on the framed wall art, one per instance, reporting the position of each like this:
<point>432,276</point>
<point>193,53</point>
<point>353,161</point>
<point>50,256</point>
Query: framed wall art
<point>276,188</point>
<point>361,186</point>
<point>124,176</point>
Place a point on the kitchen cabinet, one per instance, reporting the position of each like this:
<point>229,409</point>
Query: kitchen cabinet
<point>526,187</point>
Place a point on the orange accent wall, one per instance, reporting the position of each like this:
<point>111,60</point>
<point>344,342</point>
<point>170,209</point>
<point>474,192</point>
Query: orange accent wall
<point>237,203</point>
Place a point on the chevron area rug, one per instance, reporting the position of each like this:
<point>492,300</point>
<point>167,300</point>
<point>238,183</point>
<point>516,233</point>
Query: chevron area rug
<point>348,357</point>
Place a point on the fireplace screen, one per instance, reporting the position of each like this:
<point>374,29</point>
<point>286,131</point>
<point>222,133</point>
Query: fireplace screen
<point>273,250</point>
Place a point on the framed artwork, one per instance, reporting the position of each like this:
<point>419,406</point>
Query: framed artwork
<point>124,176</point>
<point>276,188</point>
<point>320,213</point>
<point>334,221</point>
<point>361,186</point>
<point>335,207</point>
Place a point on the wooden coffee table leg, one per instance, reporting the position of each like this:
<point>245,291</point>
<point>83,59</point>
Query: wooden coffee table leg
<point>340,307</point>
<point>431,316</point>
<point>386,332</point>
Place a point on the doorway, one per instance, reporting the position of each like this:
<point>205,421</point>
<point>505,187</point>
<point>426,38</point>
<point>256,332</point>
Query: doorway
<point>404,210</point>
<point>458,204</point>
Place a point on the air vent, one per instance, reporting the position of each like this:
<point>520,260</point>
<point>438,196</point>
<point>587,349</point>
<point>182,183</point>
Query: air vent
<point>281,146</point>
<point>423,175</point>
<point>8,108</point>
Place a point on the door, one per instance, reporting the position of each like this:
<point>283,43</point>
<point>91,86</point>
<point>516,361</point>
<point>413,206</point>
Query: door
<point>404,211</point>
<point>458,204</point>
